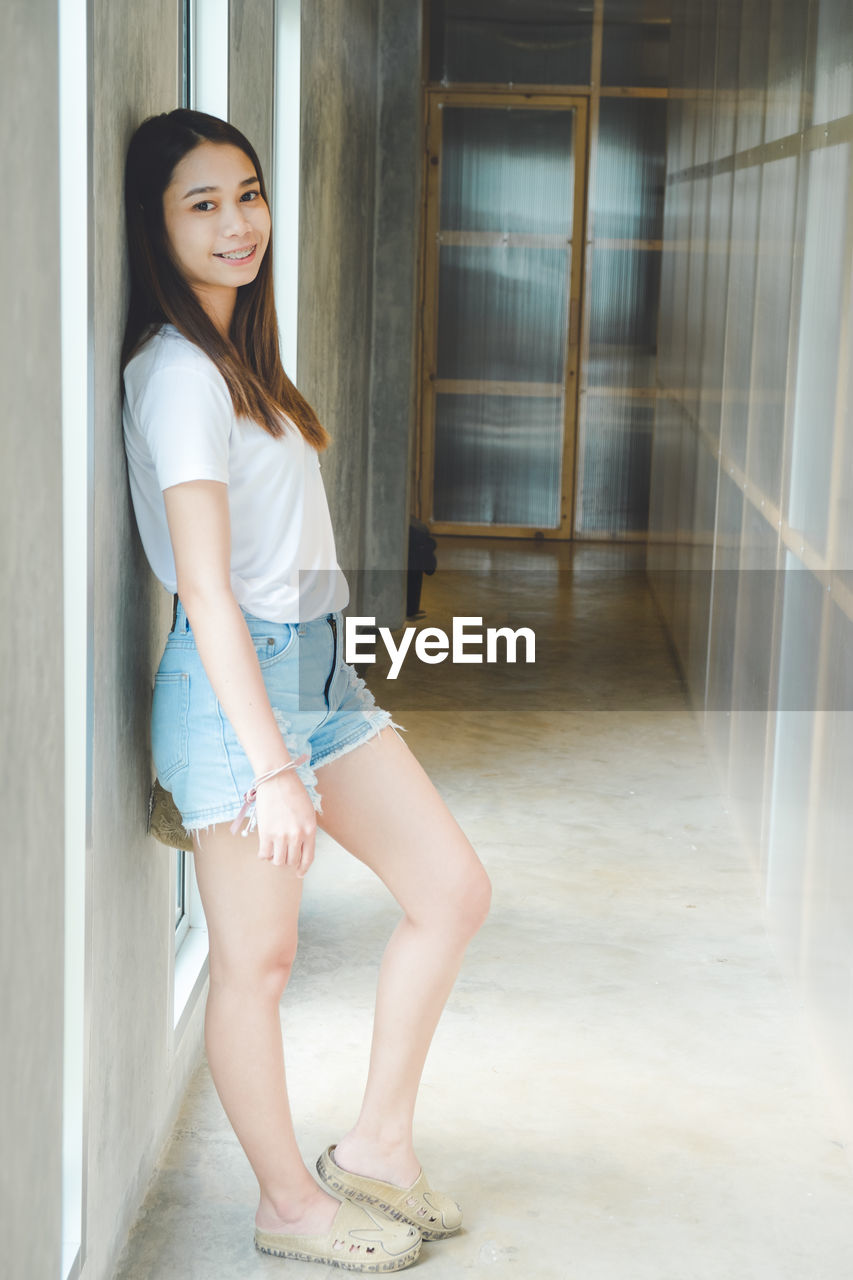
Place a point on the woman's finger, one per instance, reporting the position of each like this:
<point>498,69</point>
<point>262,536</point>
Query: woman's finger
<point>306,859</point>
<point>294,852</point>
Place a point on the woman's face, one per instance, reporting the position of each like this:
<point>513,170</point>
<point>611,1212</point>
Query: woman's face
<point>214,212</point>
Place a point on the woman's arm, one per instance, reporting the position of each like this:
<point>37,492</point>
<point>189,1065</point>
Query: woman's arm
<point>199,526</point>
<point>200,531</point>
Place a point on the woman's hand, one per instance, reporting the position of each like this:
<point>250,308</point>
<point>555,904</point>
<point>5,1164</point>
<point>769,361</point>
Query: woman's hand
<point>286,822</point>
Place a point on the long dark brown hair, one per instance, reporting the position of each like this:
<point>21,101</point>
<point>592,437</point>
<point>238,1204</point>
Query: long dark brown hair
<point>249,360</point>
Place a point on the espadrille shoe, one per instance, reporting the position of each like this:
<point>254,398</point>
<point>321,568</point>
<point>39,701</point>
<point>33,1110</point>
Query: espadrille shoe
<point>435,1215</point>
<point>360,1239</point>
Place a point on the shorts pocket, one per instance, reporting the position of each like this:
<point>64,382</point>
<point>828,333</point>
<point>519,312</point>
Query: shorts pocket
<point>274,641</point>
<point>169,728</point>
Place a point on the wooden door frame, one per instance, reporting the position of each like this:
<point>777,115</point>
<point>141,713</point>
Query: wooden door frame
<point>428,303</point>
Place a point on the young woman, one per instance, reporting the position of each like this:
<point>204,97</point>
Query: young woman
<point>259,728</point>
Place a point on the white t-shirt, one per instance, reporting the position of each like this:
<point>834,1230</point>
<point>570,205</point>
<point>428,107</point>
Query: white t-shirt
<point>179,424</point>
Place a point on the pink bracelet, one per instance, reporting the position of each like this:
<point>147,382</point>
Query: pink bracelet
<point>250,795</point>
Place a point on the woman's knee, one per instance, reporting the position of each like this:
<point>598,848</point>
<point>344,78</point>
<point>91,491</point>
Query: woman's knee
<point>478,897</point>
<point>252,912</point>
<point>461,907</point>
<point>254,970</point>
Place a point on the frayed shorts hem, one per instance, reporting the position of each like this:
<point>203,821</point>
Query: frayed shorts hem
<point>375,724</point>
<point>196,823</point>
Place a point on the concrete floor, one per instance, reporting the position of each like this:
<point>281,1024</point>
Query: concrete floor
<point>622,1086</point>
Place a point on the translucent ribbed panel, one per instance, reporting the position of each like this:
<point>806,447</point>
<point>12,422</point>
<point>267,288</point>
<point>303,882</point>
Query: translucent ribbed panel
<point>793,748</point>
<point>787,38</point>
<point>663,487</point>
<point>497,459</point>
<point>671,322</point>
<point>757,594</point>
<point>753,689</point>
<point>634,53</point>
<point>624,290</point>
<point>626,204</point>
<point>779,678</point>
<point>705,35</point>
<point>802,603</point>
<point>697,245</point>
<point>697,510</point>
<point>775,271</point>
<point>841,553</point>
<point>752,72</point>
<point>502,313</point>
<point>743,259</point>
<point>505,169</point>
<point>631,167</point>
<point>694,248</point>
<point>723,613</point>
<point>739,317</point>
<point>716,281</point>
<point>783,637</point>
<point>632,367</point>
<point>617,451</point>
<point>504,269</point>
<point>828,186</point>
<point>833,89</point>
<point>502,42</point>
<point>830,878</point>
<point>726,78</point>
<point>708,368</point>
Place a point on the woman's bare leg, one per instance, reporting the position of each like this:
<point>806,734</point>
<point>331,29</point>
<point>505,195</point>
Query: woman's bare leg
<point>251,907</point>
<point>379,803</point>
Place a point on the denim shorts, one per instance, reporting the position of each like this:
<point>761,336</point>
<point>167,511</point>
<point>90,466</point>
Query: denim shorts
<point>320,704</point>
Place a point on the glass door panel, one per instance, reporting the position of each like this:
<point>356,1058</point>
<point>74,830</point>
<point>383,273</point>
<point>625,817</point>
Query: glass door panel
<point>497,459</point>
<point>501,277</point>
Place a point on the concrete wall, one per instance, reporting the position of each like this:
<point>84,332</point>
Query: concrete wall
<point>338,145</point>
<point>137,1074</point>
<point>393,399</point>
<point>361,158</point>
<point>31,648</point>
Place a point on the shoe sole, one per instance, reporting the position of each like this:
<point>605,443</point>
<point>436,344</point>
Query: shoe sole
<point>370,1268</point>
<point>376,1202</point>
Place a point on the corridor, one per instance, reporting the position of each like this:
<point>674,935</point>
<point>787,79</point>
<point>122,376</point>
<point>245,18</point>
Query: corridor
<point>622,1086</point>
<point>569,285</point>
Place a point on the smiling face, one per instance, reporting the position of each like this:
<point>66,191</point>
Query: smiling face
<point>217,224</point>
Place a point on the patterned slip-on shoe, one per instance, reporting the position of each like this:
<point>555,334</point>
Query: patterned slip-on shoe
<point>435,1215</point>
<point>360,1239</point>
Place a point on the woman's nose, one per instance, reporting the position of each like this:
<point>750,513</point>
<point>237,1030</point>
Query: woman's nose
<point>237,221</point>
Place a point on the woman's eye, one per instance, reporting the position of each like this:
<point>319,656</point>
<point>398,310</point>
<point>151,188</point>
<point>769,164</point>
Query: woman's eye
<point>256,195</point>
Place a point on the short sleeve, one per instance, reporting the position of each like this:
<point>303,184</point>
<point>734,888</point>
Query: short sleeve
<point>186,417</point>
